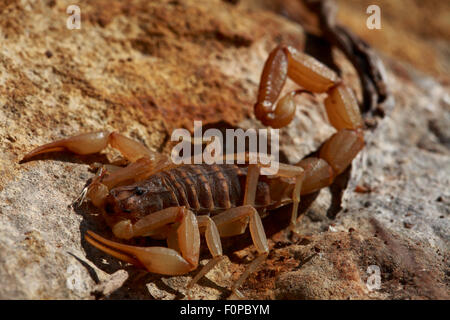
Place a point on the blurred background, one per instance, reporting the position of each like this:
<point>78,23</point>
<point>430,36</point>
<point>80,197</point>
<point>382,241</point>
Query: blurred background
<point>415,31</point>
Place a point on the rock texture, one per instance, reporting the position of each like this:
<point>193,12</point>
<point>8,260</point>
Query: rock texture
<point>146,67</point>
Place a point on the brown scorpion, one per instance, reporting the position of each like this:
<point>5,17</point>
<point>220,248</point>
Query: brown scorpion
<point>154,197</point>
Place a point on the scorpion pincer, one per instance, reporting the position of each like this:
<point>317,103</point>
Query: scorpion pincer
<point>154,197</point>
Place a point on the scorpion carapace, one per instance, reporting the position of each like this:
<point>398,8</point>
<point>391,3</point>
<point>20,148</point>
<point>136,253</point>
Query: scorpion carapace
<point>154,197</point>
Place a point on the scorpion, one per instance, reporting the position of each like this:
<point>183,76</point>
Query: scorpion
<point>153,197</point>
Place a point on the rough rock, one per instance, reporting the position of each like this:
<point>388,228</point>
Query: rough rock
<point>145,68</point>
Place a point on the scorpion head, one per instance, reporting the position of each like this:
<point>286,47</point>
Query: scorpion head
<point>133,202</point>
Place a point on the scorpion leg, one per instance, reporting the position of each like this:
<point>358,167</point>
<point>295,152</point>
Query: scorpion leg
<point>214,245</point>
<point>240,217</point>
<point>233,222</point>
<point>298,173</point>
<point>160,260</point>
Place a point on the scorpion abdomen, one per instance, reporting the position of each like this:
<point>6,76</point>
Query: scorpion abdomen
<point>211,189</point>
<point>206,189</point>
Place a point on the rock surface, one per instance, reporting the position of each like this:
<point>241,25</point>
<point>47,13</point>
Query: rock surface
<point>144,68</point>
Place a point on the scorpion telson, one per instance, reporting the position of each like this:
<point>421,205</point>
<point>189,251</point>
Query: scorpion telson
<point>156,198</point>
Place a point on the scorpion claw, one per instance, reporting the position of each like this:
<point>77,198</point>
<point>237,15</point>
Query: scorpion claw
<point>111,248</point>
<point>160,260</point>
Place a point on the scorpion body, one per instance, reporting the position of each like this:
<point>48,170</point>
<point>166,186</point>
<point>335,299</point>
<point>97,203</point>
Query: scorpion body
<point>203,189</point>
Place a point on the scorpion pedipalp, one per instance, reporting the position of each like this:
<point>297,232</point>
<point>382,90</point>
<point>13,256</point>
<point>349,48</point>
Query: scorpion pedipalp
<point>94,142</point>
<point>160,260</point>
